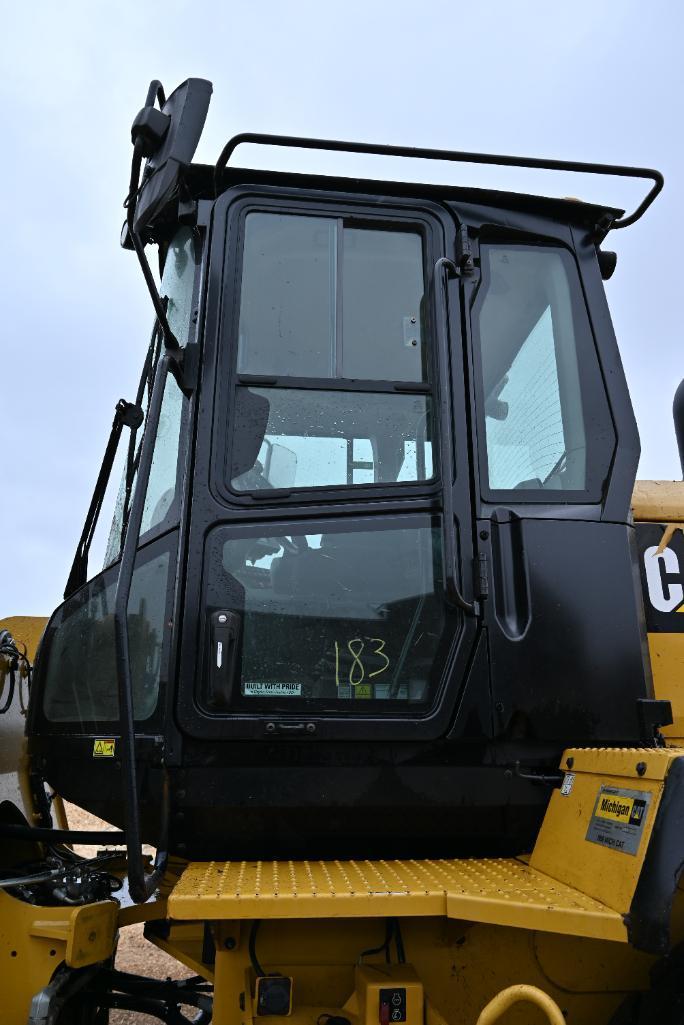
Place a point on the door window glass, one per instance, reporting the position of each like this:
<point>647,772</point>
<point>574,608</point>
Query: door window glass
<point>341,615</point>
<point>382,305</point>
<point>161,495</point>
<point>287,302</point>
<point>323,299</point>
<point>80,682</point>
<point>538,367</point>
<point>326,300</point>
<point>178,283</point>
<point>287,437</point>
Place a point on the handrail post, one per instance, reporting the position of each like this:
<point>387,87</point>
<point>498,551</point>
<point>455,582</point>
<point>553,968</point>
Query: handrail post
<point>451,586</point>
<point>141,886</point>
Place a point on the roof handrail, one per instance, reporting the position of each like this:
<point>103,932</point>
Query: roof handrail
<point>455,156</point>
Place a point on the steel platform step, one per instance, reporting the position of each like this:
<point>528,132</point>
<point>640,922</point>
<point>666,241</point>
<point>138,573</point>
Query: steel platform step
<point>497,891</point>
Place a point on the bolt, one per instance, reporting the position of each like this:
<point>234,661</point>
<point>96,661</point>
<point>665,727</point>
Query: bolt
<point>92,936</point>
<point>311,727</point>
<point>229,943</point>
<point>413,320</point>
<point>484,535</point>
<point>641,768</point>
<point>499,706</point>
<point>222,618</point>
<point>270,727</point>
<point>570,762</point>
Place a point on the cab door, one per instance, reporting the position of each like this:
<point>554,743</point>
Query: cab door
<point>321,601</point>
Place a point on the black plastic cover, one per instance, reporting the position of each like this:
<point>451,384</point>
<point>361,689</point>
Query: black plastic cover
<point>678,414</point>
<point>187,108</point>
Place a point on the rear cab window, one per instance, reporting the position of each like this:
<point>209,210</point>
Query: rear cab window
<point>545,427</point>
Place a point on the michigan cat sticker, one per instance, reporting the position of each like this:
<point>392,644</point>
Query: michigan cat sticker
<point>619,818</point>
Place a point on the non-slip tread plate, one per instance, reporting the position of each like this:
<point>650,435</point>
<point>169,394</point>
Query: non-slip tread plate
<point>497,891</point>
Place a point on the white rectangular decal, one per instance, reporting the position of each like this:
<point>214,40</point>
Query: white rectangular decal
<point>568,784</point>
<point>257,689</point>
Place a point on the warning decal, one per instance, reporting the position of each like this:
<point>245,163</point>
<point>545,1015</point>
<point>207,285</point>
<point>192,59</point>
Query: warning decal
<point>104,748</point>
<point>618,819</point>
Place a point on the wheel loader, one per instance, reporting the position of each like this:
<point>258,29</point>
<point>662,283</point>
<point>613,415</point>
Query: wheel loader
<point>384,662</point>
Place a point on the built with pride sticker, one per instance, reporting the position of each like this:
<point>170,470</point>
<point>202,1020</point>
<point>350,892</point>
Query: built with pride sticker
<point>255,689</point>
<point>619,818</point>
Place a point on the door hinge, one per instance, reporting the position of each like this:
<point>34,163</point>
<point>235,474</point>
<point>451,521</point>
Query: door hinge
<point>481,577</point>
<point>464,252</point>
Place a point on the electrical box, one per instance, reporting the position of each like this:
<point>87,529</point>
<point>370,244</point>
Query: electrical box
<point>273,995</point>
<point>389,995</point>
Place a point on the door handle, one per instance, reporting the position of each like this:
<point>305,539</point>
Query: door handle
<point>224,636</point>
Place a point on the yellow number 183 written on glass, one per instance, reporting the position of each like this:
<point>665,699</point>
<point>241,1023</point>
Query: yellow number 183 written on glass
<point>357,670</point>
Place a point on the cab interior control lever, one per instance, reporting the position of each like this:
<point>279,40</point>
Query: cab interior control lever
<point>224,636</point>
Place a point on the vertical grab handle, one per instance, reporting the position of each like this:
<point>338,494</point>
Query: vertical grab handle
<point>443,268</point>
<point>141,885</point>
<point>224,635</point>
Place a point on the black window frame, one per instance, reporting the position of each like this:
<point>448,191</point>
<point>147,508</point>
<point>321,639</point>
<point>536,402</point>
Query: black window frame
<point>598,480</point>
<point>214,504</point>
<point>245,707</point>
<point>229,379</point>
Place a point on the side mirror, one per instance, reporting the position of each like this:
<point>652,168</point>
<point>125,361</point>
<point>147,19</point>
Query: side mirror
<point>678,416</point>
<point>170,137</point>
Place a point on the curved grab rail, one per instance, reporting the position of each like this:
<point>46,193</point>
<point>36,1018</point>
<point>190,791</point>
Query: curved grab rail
<point>521,993</point>
<point>454,156</point>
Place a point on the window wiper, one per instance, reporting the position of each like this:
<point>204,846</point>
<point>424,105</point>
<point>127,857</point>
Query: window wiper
<point>126,414</point>
<point>557,467</point>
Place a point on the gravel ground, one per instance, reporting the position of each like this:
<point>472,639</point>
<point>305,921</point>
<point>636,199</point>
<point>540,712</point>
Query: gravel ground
<point>135,953</point>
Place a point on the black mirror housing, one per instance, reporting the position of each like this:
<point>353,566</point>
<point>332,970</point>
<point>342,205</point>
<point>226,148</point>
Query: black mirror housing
<point>170,140</point>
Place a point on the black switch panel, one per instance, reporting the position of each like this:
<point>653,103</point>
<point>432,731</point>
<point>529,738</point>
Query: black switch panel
<point>393,1004</point>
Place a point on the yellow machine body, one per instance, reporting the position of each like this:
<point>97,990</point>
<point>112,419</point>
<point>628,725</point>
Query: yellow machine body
<point>662,502</point>
<point>518,940</point>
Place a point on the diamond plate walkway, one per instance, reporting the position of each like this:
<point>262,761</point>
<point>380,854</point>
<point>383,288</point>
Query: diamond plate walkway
<point>496,891</point>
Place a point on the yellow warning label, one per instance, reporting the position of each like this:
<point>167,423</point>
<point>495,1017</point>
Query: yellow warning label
<point>104,748</point>
<point>620,809</point>
<point>363,690</point>
<point>619,819</point>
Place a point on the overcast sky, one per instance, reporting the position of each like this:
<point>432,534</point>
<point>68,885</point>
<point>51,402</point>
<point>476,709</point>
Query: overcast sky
<point>598,81</point>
